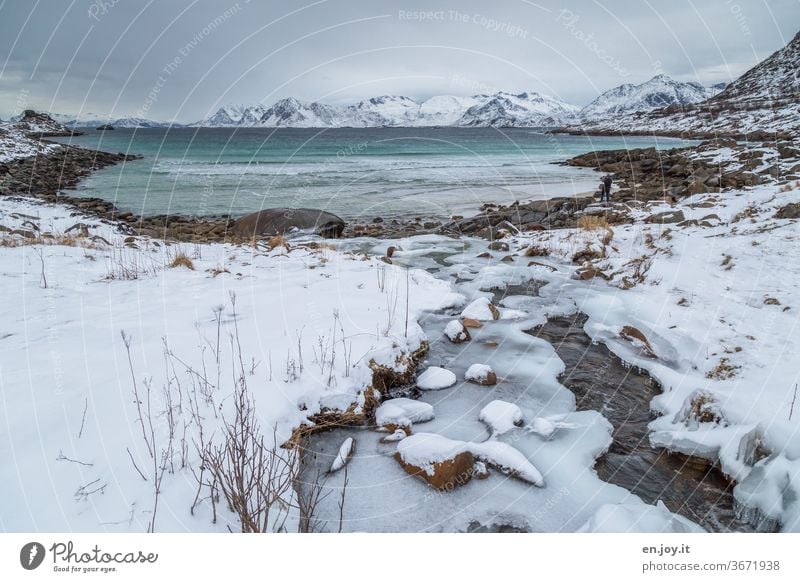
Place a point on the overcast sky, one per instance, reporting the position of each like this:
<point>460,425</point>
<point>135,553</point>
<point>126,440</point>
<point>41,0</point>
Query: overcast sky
<point>182,59</point>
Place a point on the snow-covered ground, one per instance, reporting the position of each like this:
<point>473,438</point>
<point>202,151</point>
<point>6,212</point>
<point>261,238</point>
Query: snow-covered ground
<point>300,325</point>
<point>15,145</point>
<point>717,301</point>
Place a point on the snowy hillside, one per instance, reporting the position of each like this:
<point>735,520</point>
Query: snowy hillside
<point>764,100</point>
<point>498,110</point>
<point>660,91</point>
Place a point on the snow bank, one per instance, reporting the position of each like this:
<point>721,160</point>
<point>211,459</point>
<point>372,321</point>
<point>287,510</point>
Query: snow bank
<point>638,517</point>
<point>718,296</point>
<point>308,320</point>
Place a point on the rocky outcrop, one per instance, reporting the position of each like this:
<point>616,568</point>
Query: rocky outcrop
<point>494,220</point>
<point>647,174</point>
<point>39,125</point>
<point>279,221</point>
<point>44,176</point>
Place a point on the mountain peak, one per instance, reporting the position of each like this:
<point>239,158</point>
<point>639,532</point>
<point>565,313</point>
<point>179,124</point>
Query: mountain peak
<point>659,92</point>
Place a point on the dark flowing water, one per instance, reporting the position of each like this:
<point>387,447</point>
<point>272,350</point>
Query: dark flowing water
<point>602,382</point>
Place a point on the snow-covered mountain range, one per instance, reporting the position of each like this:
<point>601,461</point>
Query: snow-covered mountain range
<point>660,91</point>
<point>500,109</point>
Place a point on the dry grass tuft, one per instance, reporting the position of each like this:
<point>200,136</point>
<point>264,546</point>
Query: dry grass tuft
<point>278,241</point>
<point>182,260</point>
<point>724,370</point>
<point>592,222</point>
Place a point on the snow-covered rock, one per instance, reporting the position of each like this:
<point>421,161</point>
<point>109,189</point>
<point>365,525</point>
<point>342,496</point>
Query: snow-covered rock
<point>508,460</point>
<point>481,310</point>
<point>445,463</point>
<point>435,378</point>
<point>481,374</point>
<point>501,416</point>
<point>442,462</point>
<point>402,412</point>
<point>456,332</point>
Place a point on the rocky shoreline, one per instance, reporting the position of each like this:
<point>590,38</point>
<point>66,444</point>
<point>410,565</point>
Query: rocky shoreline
<point>640,175</point>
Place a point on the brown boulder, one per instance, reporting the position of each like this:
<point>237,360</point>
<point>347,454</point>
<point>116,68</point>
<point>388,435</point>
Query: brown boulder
<point>445,475</point>
<point>278,221</point>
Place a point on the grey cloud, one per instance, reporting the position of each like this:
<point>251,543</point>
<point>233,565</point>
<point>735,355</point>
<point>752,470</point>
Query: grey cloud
<point>104,55</point>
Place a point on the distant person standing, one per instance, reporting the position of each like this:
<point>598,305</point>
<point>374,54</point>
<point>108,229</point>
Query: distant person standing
<point>605,192</point>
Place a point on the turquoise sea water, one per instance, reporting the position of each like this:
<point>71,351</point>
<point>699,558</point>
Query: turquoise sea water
<point>351,172</point>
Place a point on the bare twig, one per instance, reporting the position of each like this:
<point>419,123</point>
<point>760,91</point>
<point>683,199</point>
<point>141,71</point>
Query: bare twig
<point>62,457</point>
<point>83,419</point>
<point>43,278</point>
<point>135,466</point>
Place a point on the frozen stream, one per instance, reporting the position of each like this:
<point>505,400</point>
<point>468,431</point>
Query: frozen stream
<point>538,368</point>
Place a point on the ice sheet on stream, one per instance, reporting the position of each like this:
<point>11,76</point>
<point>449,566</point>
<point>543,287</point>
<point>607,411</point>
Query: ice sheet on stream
<point>381,496</point>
